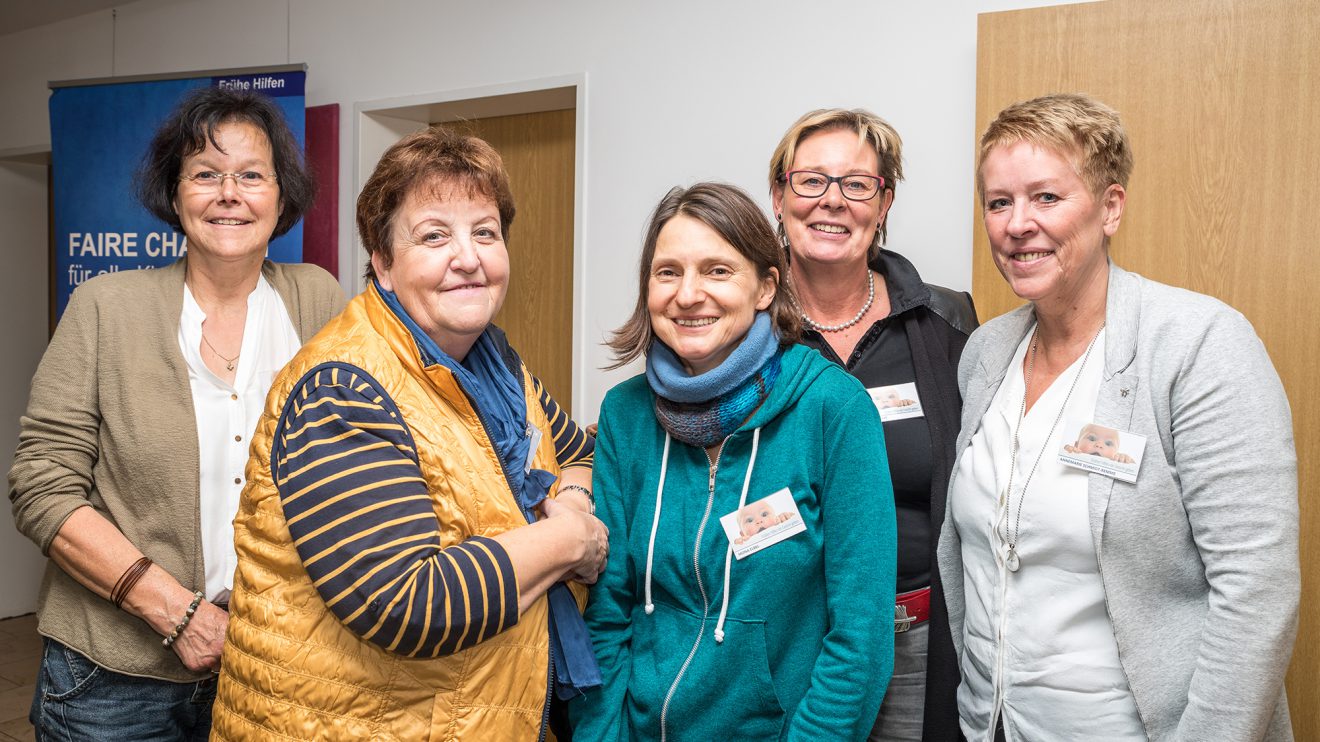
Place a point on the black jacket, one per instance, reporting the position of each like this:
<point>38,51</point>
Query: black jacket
<point>937,322</point>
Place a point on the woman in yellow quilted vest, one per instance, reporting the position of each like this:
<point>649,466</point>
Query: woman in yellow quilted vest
<point>417,505</point>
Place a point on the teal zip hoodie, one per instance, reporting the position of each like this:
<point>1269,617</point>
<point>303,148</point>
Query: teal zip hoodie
<point>804,648</point>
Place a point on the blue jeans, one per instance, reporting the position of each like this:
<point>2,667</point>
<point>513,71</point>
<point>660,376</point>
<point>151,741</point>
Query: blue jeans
<point>76,700</point>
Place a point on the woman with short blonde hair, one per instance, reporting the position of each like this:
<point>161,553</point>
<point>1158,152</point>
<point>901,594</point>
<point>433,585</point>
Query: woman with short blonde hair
<point>832,182</point>
<point>1111,597</point>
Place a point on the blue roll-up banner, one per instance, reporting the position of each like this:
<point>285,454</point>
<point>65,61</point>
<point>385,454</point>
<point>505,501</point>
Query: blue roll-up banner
<point>99,134</point>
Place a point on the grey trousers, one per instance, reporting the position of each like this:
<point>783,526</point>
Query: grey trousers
<point>900,718</point>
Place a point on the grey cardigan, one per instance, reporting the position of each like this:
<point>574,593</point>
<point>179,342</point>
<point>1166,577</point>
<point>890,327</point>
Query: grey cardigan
<point>110,424</point>
<point>1199,557</point>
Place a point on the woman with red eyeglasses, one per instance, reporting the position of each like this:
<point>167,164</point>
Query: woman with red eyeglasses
<point>832,182</point>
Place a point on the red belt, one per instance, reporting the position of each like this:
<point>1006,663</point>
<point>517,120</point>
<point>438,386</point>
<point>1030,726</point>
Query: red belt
<point>910,609</point>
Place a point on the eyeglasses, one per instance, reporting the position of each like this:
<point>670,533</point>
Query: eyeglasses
<point>248,180</point>
<point>811,184</point>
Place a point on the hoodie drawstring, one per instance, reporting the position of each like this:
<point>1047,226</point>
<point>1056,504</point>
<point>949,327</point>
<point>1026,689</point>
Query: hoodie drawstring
<point>728,555</point>
<point>655,524</point>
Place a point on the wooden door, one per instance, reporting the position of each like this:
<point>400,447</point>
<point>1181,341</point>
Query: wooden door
<point>538,152</point>
<point>1221,100</point>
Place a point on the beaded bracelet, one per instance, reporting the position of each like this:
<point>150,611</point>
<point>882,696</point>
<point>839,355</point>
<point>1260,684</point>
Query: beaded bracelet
<point>128,580</point>
<point>187,618</point>
<point>591,499</point>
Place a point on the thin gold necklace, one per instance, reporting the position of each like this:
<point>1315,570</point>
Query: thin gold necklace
<point>1011,560</point>
<point>229,362</point>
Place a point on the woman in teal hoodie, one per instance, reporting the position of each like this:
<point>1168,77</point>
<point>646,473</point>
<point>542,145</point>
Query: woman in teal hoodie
<point>751,523</point>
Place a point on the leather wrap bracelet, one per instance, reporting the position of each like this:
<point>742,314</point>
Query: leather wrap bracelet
<point>128,580</point>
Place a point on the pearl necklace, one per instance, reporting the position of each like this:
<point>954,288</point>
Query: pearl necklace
<point>1011,560</point>
<point>870,299</point>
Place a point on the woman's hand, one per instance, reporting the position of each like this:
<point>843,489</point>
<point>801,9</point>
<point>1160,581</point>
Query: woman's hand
<point>589,536</point>
<point>200,643</point>
<point>567,544</point>
<point>95,553</point>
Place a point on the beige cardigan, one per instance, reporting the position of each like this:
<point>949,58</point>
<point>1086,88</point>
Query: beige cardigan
<point>110,424</point>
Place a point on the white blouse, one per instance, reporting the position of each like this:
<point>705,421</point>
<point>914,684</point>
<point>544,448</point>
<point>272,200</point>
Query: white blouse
<point>1038,646</point>
<point>227,417</point>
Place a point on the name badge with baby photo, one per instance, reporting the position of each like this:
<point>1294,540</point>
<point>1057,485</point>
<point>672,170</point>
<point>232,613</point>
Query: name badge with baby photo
<point>897,402</point>
<point>1103,450</point>
<point>763,523</point>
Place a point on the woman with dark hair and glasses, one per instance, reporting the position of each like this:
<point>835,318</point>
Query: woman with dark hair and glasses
<point>832,181</point>
<point>131,454</point>
<point>744,485</point>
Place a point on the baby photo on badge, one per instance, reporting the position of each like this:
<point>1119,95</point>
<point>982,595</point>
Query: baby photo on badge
<point>1104,450</point>
<point>762,523</point>
<point>896,402</point>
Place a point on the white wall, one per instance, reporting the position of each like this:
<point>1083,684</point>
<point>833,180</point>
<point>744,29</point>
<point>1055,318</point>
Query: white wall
<point>676,92</point>
<point>23,307</point>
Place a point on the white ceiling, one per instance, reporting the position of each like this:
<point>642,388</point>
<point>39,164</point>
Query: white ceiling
<point>17,15</point>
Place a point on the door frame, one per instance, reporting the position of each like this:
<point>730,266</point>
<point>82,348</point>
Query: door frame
<point>377,124</point>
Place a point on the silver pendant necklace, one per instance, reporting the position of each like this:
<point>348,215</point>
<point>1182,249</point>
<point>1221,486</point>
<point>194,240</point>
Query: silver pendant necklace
<point>1011,560</point>
<point>870,299</point>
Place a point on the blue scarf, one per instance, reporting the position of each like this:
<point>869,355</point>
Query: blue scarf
<point>497,396</point>
<point>705,409</point>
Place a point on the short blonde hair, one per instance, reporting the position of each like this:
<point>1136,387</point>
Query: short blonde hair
<point>869,128</point>
<point>1076,126</point>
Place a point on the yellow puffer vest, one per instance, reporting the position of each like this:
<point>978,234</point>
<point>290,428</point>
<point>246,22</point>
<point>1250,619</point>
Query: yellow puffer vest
<point>291,670</point>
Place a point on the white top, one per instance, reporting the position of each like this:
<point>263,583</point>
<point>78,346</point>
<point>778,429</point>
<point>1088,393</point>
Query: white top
<point>1038,646</point>
<point>227,418</point>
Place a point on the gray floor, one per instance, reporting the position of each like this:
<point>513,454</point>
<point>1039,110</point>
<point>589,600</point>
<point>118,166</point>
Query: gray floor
<point>20,653</point>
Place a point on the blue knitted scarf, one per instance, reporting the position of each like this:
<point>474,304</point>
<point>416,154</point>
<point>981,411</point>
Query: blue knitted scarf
<point>705,409</point>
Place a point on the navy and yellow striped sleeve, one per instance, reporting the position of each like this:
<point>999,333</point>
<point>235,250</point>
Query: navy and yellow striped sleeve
<point>573,447</point>
<point>361,518</point>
